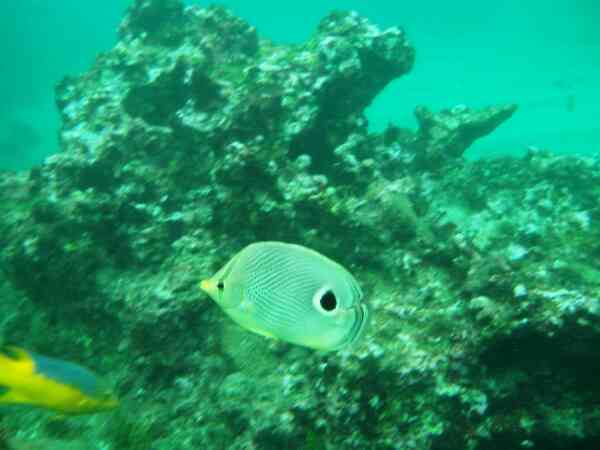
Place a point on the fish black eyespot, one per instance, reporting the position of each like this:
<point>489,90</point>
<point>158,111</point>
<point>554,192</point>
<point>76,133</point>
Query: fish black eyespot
<point>220,285</point>
<point>328,301</point>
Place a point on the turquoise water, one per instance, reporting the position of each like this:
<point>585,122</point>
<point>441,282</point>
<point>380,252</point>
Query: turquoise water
<point>541,54</point>
<point>481,278</point>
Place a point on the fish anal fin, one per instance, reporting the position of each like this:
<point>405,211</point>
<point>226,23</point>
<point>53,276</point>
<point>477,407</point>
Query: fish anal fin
<point>261,332</point>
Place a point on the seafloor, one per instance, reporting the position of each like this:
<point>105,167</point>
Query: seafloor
<point>194,137</point>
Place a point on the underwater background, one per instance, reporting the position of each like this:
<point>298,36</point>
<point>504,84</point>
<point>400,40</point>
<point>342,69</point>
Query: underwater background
<point>541,54</point>
<point>444,154</point>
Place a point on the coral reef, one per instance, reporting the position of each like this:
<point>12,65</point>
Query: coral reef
<point>192,138</point>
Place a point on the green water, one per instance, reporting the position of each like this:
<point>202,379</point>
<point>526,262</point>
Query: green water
<point>541,54</point>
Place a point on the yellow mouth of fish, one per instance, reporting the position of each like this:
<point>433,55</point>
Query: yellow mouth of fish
<point>205,285</point>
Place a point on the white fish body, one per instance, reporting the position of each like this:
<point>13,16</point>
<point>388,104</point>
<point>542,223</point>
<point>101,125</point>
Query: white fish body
<point>292,293</point>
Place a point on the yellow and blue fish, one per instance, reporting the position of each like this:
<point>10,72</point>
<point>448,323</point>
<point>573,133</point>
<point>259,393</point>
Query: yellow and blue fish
<point>27,378</point>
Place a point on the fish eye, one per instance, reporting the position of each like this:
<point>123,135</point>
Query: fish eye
<point>220,285</point>
<point>328,301</point>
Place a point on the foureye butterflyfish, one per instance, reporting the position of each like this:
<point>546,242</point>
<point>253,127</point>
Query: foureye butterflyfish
<point>289,292</point>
